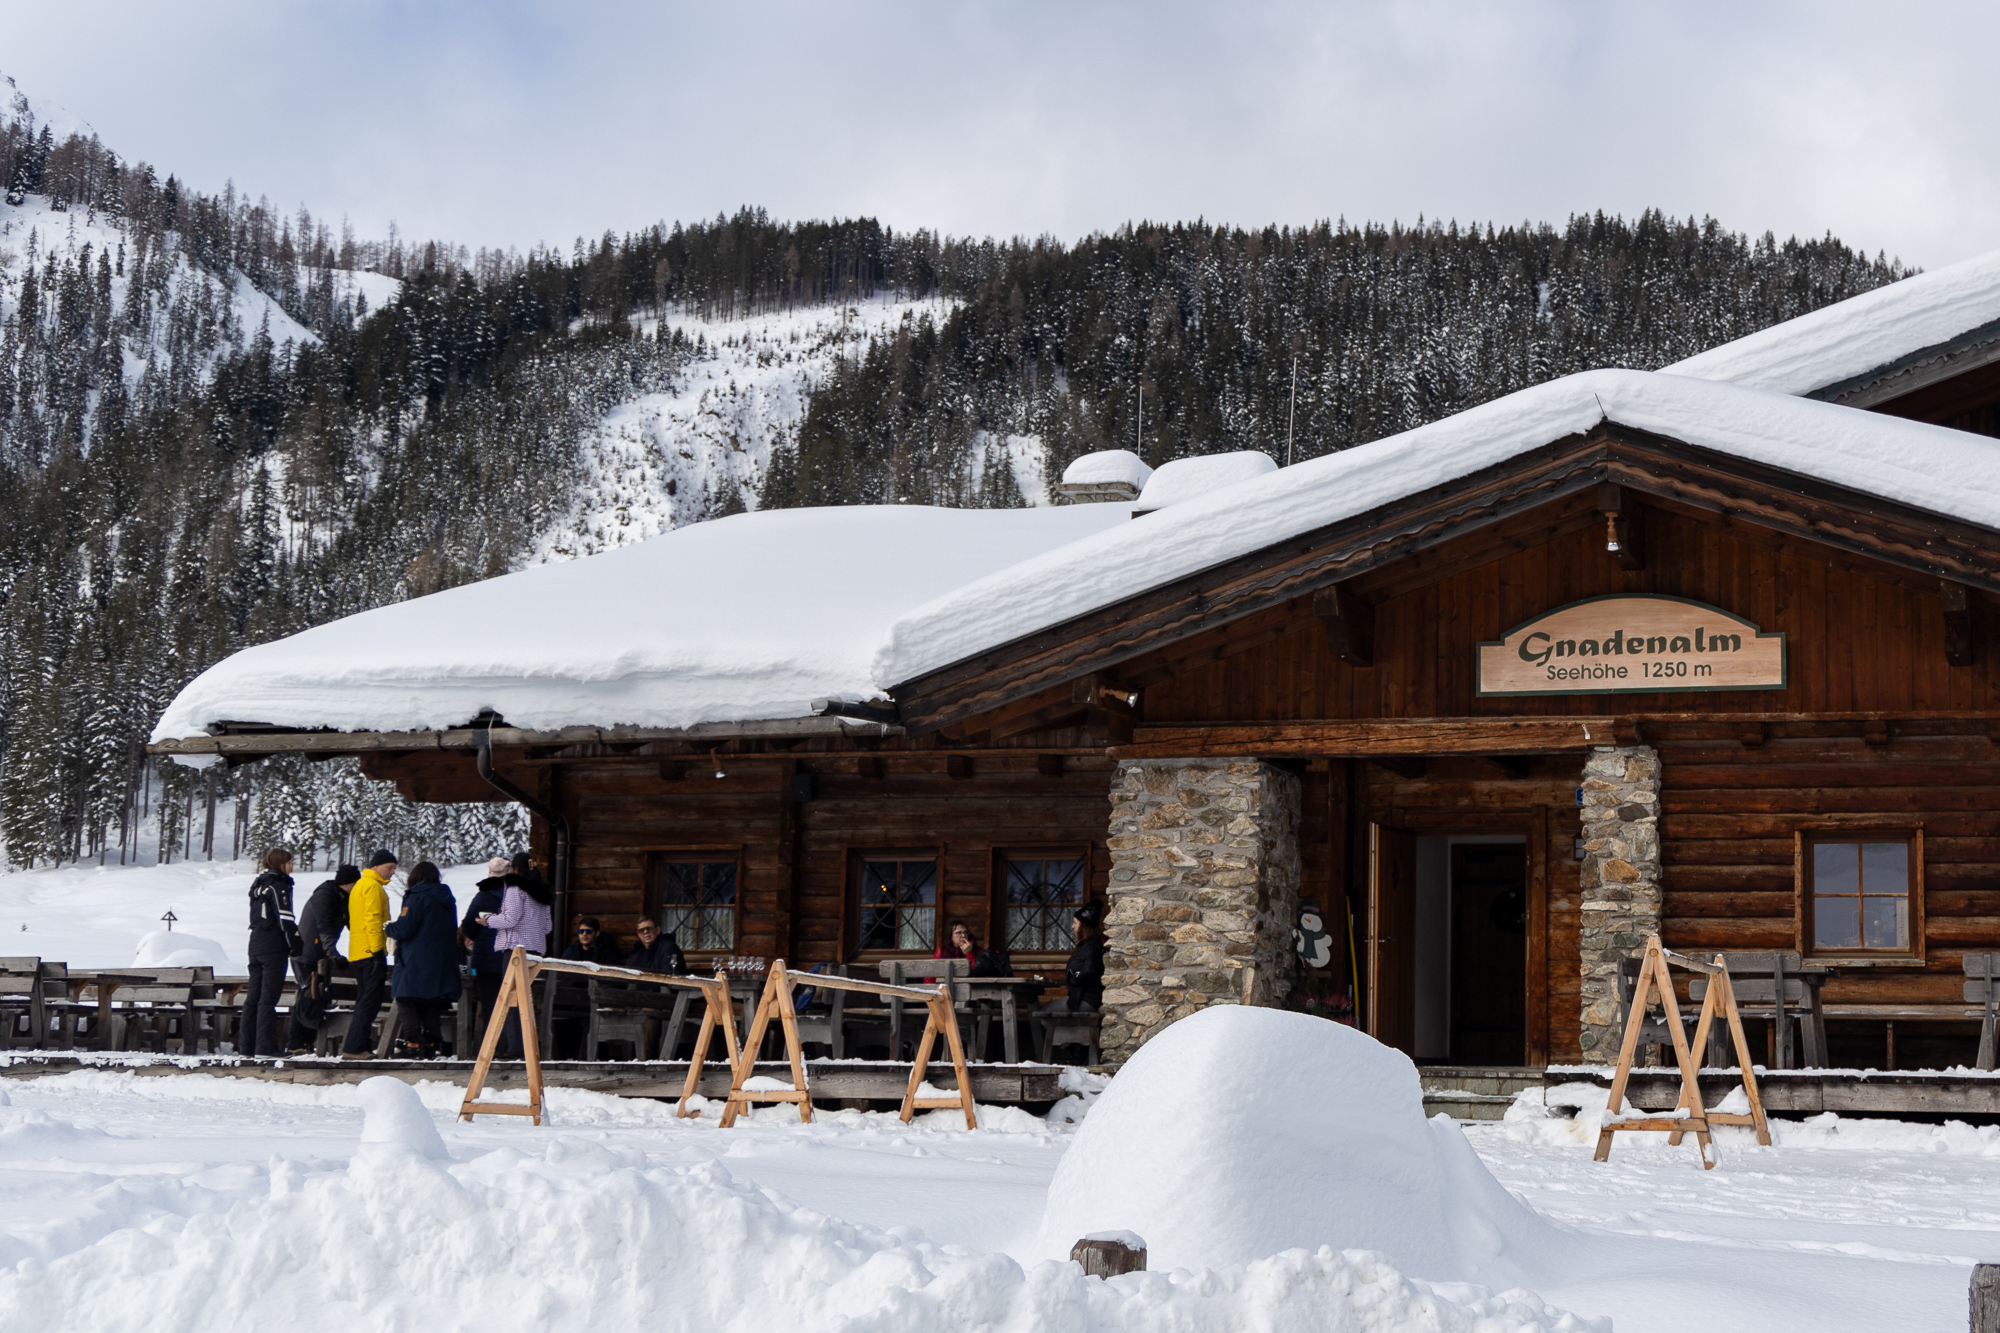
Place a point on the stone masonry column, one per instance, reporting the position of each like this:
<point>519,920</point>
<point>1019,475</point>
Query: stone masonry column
<point>1204,883</point>
<point>1620,882</point>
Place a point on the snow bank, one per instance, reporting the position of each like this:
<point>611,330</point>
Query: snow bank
<point>1298,1133</point>
<point>1861,334</point>
<point>744,617</point>
<point>584,1234</point>
<point>1931,467</point>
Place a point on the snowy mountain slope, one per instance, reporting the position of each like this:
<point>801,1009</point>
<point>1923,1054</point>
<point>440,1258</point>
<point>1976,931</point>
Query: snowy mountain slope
<point>53,240</point>
<point>665,460</point>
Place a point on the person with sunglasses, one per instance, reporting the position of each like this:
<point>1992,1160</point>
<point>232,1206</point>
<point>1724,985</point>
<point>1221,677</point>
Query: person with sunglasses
<point>593,944</point>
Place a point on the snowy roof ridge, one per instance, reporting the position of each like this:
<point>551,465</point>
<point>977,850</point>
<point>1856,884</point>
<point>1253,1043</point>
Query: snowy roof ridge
<point>1855,341</point>
<point>1932,468</point>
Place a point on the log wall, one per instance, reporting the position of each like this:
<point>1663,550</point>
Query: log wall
<point>797,856</point>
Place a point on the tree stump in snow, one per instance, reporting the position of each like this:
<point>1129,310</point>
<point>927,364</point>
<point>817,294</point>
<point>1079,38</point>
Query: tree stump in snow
<point>1985,1301</point>
<point>1109,1253</point>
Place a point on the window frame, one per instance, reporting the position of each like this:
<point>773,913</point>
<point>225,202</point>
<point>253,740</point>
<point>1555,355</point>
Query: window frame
<point>996,912</point>
<point>1803,840</point>
<point>655,905</point>
<point>859,857</point>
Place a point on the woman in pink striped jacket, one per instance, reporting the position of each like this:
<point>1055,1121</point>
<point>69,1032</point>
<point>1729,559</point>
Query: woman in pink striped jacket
<point>523,922</point>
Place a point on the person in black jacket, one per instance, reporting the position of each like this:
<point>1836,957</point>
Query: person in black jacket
<point>593,945</point>
<point>274,938</point>
<point>488,968</point>
<point>425,978</point>
<point>658,951</point>
<point>1083,975</point>
<point>320,925</point>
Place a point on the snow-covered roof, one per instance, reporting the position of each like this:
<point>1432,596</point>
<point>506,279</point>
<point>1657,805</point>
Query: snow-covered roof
<point>1186,478</point>
<point>1853,339</point>
<point>1931,467</point>
<point>741,618</point>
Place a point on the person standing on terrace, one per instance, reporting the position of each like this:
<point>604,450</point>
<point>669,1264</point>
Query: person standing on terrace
<point>523,922</point>
<point>367,952</point>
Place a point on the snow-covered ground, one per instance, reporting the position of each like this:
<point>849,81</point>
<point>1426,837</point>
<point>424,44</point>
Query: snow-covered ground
<point>196,1201</point>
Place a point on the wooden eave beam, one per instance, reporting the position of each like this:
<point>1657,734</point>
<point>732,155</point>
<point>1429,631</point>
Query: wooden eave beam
<point>1736,490</point>
<point>1373,738</point>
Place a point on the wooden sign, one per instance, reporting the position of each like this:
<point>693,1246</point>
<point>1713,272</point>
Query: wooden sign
<point>1632,645</point>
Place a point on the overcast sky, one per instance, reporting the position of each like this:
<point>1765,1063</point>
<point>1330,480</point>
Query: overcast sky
<point>511,121</point>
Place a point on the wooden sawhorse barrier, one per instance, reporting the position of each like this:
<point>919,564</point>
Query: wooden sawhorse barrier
<point>778,1000</point>
<point>1690,1116</point>
<point>517,996</point>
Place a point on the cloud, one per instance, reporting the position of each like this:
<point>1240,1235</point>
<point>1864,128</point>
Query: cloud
<point>510,123</point>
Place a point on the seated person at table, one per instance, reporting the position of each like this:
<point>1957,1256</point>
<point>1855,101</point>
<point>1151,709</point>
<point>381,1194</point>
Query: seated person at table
<point>1083,975</point>
<point>593,945</point>
<point>658,951</point>
<point>964,944</point>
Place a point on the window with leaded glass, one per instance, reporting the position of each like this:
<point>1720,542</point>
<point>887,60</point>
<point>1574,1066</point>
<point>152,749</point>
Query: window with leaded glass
<point>1042,893</point>
<point>697,901</point>
<point>898,902</point>
<point>1862,892</point>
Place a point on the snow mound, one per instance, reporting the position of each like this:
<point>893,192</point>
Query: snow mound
<point>1188,478</point>
<point>1240,1133</point>
<point>175,948</point>
<point>397,1119</point>
<point>1108,465</point>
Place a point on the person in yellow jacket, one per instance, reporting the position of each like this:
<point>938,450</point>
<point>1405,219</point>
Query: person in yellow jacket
<point>367,946</point>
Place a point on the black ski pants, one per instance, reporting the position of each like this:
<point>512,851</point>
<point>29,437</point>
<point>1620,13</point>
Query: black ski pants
<point>369,974</point>
<point>257,1032</point>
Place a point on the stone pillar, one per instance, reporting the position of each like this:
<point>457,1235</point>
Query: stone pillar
<point>1204,884</point>
<point>1620,882</point>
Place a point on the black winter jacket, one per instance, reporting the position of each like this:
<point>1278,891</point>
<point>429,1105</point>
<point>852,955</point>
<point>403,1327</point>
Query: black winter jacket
<point>320,924</point>
<point>664,957</point>
<point>488,898</point>
<point>427,952</point>
<point>272,929</point>
<point>1083,976</point>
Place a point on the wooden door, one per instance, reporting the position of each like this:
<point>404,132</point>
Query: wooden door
<point>1392,937</point>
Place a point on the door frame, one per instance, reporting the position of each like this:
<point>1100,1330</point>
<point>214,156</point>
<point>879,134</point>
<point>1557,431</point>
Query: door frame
<point>1532,822</point>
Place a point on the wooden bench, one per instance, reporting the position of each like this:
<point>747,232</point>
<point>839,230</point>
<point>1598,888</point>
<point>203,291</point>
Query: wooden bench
<point>1083,1028</point>
<point>918,972</point>
<point>620,1010</point>
<point>1774,985</point>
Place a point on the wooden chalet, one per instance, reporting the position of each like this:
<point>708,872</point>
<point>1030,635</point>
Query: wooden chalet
<point>1626,653</point>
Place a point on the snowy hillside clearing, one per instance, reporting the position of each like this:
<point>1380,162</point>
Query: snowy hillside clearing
<point>665,460</point>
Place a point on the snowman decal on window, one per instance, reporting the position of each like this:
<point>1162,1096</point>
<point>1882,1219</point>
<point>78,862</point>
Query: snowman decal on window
<point>1310,938</point>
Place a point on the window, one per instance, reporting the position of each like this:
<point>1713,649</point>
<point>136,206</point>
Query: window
<point>1041,893</point>
<point>697,900</point>
<point>898,894</point>
<point>1861,892</point>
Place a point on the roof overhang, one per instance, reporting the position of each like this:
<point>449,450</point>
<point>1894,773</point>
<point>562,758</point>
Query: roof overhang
<point>242,741</point>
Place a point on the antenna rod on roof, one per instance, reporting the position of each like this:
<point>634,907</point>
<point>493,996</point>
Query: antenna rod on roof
<point>1292,417</point>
